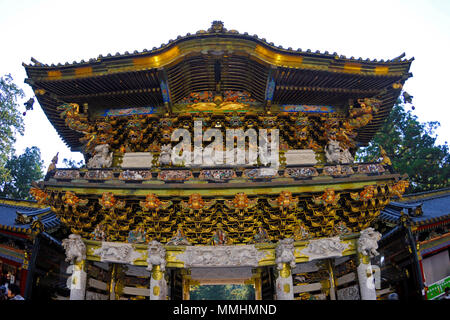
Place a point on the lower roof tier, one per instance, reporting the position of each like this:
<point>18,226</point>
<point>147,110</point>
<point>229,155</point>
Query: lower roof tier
<point>238,211</point>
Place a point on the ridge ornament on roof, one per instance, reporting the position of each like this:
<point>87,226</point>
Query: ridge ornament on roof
<point>217,26</point>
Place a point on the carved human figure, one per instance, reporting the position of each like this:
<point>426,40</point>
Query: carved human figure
<point>179,239</point>
<point>341,228</point>
<point>220,237</point>
<point>52,165</point>
<point>99,233</point>
<point>301,232</point>
<point>137,236</point>
<point>261,236</point>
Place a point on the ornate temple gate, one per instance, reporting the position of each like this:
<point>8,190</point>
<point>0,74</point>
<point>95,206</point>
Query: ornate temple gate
<point>111,270</point>
<point>144,224</point>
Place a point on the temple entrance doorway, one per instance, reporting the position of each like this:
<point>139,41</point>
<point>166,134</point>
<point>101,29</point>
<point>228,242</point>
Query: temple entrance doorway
<point>231,283</point>
<point>230,291</point>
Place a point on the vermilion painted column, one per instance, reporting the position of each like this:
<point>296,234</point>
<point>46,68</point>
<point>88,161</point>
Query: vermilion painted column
<point>23,281</point>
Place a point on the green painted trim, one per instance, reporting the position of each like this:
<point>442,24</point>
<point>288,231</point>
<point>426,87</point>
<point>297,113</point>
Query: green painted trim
<point>185,190</point>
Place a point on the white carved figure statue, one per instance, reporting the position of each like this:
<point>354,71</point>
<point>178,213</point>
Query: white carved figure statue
<point>334,153</point>
<point>165,155</point>
<point>368,242</point>
<point>284,253</point>
<point>156,255</point>
<point>102,157</point>
<point>75,248</point>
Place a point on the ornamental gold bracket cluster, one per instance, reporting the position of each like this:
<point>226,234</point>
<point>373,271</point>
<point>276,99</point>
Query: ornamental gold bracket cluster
<point>217,220</point>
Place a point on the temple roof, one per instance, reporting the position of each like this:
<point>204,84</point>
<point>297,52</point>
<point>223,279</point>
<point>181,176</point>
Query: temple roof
<point>195,62</point>
<point>420,209</point>
<point>19,215</point>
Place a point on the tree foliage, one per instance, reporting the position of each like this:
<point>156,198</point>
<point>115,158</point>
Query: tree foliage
<point>11,121</point>
<point>222,292</point>
<point>23,170</point>
<point>411,147</point>
<point>72,164</point>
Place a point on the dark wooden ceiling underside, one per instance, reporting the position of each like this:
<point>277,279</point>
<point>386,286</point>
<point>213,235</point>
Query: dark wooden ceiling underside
<point>196,72</point>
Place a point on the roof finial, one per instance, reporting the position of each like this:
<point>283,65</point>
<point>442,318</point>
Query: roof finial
<point>217,26</point>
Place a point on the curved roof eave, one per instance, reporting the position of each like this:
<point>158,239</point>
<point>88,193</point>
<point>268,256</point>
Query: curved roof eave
<point>225,41</point>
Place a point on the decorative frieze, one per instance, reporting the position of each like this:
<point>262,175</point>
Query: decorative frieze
<point>99,175</point>
<point>135,175</point>
<point>260,173</point>
<point>175,175</point>
<point>371,168</point>
<point>117,252</point>
<point>66,174</point>
<point>301,173</point>
<point>338,171</point>
<point>221,256</point>
<point>218,175</point>
<point>324,248</point>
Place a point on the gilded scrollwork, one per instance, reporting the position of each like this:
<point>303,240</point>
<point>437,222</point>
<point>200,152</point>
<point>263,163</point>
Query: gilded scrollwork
<point>152,202</point>
<point>399,188</point>
<point>244,219</point>
<point>196,203</point>
<point>108,201</point>
<point>71,200</point>
<point>329,197</point>
<point>40,195</point>
<point>285,201</point>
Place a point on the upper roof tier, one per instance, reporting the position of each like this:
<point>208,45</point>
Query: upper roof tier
<point>211,61</point>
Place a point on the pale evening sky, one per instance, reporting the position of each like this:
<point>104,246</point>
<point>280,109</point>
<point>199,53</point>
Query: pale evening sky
<point>59,31</point>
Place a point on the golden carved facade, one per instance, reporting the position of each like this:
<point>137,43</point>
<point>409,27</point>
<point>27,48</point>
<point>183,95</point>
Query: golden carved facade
<point>147,133</point>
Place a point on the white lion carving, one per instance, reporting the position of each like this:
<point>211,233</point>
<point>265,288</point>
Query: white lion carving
<point>334,153</point>
<point>284,253</point>
<point>102,157</point>
<point>156,255</point>
<point>368,242</point>
<point>75,248</point>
